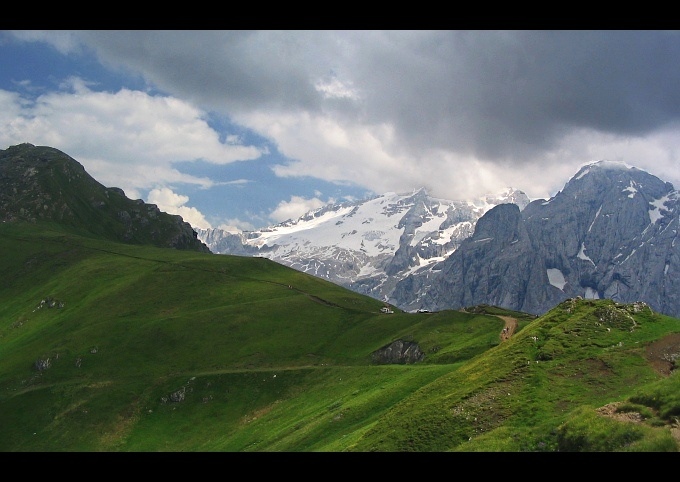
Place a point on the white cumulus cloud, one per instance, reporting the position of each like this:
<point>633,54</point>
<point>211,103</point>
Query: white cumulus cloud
<point>296,207</point>
<point>127,139</point>
<point>172,203</point>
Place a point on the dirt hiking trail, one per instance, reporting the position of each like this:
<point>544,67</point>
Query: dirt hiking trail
<point>510,327</point>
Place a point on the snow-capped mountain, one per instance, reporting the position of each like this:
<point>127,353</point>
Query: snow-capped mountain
<point>612,232</point>
<point>367,246</point>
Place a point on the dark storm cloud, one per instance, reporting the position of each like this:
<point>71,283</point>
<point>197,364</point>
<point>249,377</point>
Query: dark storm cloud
<point>500,94</point>
<point>491,94</point>
<point>463,112</point>
<point>232,69</point>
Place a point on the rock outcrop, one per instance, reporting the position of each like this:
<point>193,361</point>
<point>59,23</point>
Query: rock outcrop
<point>398,352</point>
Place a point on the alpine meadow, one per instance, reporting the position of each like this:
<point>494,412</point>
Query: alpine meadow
<point>121,332</point>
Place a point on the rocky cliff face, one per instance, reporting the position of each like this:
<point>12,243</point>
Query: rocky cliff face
<point>612,232</point>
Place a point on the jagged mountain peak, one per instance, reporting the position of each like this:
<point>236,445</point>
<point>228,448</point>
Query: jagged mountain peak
<point>616,170</point>
<point>421,192</point>
<point>603,168</point>
<point>608,165</point>
<point>617,178</point>
<point>509,195</point>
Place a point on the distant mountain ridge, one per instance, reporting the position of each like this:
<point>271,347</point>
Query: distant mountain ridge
<point>369,245</point>
<point>612,232</point>
<point>39,183</point>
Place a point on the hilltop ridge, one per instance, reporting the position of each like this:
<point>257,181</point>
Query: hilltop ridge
<point>42,183</point>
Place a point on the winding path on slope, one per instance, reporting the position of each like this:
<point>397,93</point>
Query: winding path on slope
<point>510,327</point>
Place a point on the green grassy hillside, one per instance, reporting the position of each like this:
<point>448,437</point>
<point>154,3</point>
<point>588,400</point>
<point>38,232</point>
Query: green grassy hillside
<point>116,347</point>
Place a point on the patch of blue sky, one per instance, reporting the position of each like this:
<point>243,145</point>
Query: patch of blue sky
<point>252,187</point>
<point>46,69</point>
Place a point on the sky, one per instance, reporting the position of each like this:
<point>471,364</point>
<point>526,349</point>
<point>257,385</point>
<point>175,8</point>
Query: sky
<point>240,129</point>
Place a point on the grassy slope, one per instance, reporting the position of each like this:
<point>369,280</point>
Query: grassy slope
<point>529,394</point>
<point>271,359</point>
